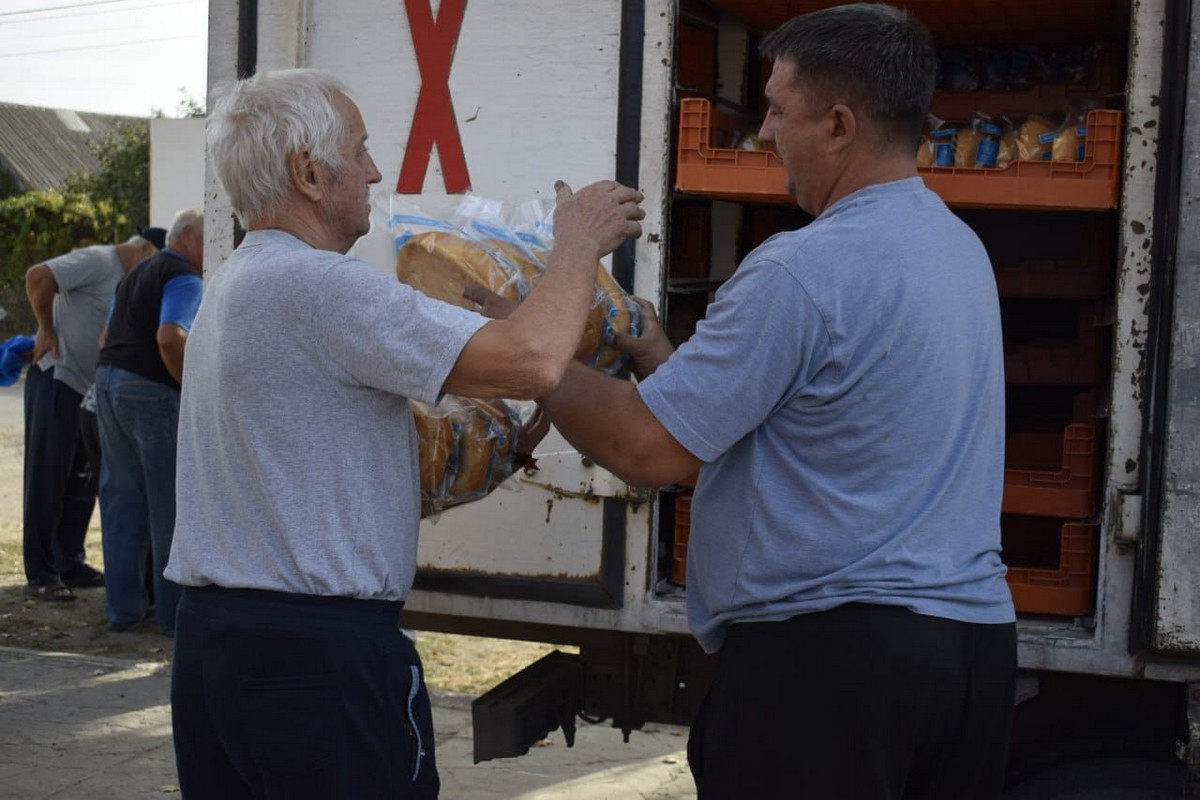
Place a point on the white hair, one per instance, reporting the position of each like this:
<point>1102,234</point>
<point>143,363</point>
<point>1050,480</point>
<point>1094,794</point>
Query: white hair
<point>190,218</point>
<point>259,122</point>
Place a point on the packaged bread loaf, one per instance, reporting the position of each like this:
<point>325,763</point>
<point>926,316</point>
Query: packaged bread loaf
<point>1035,138</point>
<point>966,144</point>
<point>465,449</point>
<point>442,265</point>
<point>1007,150</point>
<point>1069,143</point>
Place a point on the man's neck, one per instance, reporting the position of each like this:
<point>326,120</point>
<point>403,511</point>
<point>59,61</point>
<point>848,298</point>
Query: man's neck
<point>299,219</point>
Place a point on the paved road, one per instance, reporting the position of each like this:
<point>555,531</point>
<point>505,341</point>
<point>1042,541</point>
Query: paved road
<point>82,728</point>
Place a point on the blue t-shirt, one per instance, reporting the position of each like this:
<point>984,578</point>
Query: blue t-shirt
<point>846,393</point>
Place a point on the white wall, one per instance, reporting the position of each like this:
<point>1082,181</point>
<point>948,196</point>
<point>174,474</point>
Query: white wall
<point>176,167</point>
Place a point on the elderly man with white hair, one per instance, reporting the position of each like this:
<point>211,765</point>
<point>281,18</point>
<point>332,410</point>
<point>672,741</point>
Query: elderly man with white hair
<point>298,495</point>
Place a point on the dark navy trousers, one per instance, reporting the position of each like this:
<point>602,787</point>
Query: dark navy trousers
<point>861,701</point>
<point>295,696</point>
<point>60,486</point>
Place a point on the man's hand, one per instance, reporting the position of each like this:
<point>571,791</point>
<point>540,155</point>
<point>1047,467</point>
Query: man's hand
<point>603,214</point>
<point>45,341</point>
<point>648,349</point>
<point>490,304</point>
<point>532,432</point>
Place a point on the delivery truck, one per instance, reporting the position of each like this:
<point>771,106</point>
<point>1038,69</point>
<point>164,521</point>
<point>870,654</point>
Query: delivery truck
<point>1096,249</point>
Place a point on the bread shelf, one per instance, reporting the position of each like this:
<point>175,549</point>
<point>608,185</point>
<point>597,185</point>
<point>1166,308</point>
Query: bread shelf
<point>725,173</point>
<point>1064,587</point>
<point>1052,474</point>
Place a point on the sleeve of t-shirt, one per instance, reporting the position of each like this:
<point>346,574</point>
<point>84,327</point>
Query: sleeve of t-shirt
<point>181,300</point>
<point>761,342</point>
<point>387,335</point>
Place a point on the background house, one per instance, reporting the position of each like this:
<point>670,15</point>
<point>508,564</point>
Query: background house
<point>41,147</point>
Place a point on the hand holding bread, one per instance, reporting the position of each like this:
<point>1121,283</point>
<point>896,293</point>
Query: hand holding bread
<point>599,216</point>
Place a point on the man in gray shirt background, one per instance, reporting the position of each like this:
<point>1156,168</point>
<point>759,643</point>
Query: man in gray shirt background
<point>70,296</point>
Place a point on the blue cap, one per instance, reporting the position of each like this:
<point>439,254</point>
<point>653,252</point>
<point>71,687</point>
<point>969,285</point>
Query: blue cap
<point>155,236</point>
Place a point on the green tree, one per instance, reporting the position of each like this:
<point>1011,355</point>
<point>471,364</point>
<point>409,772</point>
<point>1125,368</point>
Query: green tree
<point>123,179</point>
<point>36,226</point>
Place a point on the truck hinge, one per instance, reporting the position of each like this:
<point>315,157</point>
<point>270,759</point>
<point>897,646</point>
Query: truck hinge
<point>1190,750</point>
<point>1129,518</point>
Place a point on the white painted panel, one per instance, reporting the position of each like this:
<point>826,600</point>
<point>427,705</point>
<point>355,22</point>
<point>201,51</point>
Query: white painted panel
<point>176,168</point>
<point>533,86</point>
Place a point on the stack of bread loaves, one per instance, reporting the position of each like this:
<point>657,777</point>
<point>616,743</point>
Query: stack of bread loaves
<point>466,445</point>
<point>465,449</point>
<point>443,264</point>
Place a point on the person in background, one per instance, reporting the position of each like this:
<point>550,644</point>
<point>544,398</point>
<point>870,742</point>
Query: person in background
<point>137,407</point>
<point>298,501</point>
<point>89,427</point>
<point>843,401</point>
<point>70,296</point>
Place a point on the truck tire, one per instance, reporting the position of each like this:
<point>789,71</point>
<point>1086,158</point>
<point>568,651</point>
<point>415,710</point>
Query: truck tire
<point>1104,779</point>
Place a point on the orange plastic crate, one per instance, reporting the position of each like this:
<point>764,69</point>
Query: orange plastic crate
<point>1081,361</point>
<point>1067,489</point>
<point>759,175</point>
<point>683,526</point>
<point>1090,184</point>
<point>724,172</point>
<point>1067,587</point>
<point>1083,280</point>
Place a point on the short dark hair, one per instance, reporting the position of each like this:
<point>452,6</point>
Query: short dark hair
<point>873,57</point>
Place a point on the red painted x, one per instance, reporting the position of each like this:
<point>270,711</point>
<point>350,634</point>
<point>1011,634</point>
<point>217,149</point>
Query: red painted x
<point>433,120</point>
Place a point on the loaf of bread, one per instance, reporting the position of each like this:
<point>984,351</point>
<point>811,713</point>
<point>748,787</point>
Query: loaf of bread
<point>442,265</point>
<point>1034,138</point>
<point>464,449</point>
<point>487,432</point>
<point>1068,145</point>
<point>611,313</point>
<point>924,151</point>
<point>966,145</point>
<point>1008,147</point>
<point>436,448</point>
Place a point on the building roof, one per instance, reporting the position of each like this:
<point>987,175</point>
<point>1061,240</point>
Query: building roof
<point>41,147</point>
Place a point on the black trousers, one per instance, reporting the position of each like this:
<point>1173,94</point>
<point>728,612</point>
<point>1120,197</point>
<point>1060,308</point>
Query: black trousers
<point>60,489</point>
<point>283,696</point>
<point>862,701</point>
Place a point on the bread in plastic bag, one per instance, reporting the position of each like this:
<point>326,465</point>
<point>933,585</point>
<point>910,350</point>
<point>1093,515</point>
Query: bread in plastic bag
<point>441,251</point>
<point>465,448</point>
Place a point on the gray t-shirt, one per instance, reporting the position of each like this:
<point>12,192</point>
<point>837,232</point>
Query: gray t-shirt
<point>86,279</point>
<point>846,391</point>
<point>297,465</point>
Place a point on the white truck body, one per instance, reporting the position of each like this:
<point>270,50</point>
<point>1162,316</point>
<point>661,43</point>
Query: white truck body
<point>524,92</point>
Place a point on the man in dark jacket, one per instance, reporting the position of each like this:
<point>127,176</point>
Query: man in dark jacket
<point>137,405</point>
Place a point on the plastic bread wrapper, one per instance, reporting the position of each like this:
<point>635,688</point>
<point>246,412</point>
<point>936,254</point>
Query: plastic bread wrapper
<point>466,448</point>
<point>446,243</point>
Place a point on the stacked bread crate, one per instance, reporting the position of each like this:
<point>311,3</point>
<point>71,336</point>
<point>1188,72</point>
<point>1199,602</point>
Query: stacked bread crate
<point>1048,223</point>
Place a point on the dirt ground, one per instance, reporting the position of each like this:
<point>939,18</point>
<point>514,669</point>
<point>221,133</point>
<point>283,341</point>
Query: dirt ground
<point>466,664</point>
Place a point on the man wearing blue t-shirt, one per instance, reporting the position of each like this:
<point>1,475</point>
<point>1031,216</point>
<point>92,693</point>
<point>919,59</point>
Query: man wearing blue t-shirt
<point>137,407</point>
<point>843,401</point>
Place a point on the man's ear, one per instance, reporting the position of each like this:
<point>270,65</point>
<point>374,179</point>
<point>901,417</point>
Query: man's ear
<point>305,174</point>
<point>843,127</point>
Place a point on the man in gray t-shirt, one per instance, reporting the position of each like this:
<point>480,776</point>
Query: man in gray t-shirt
<point>70,296</point>
<point>298,498</point>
